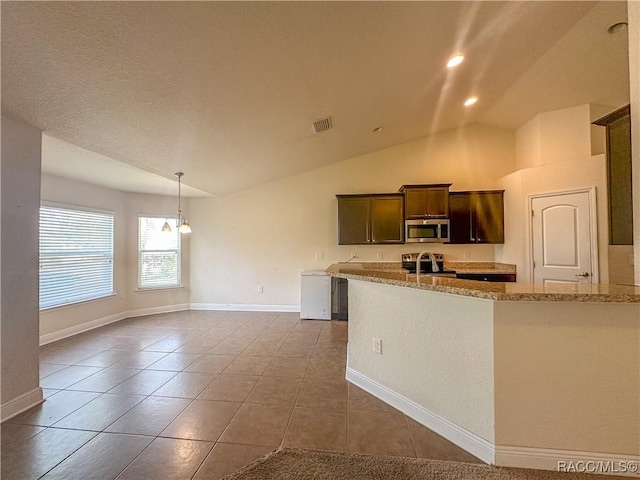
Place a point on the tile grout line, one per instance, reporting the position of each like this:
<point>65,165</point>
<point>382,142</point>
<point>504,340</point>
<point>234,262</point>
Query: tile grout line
<point>295,403</point>
<point>254,337</point>
<point>230,421</point>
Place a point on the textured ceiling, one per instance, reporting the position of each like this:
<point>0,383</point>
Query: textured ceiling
<point>227,91</point>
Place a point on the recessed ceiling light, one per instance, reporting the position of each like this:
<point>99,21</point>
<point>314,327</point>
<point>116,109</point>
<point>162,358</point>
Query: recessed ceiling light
<point>377,129</point>
<point>455,61</point>
<point>618,28</point>
<point>470,101</point>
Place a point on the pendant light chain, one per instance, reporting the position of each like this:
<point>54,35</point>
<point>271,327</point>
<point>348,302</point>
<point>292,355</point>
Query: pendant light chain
<point>182,223</point>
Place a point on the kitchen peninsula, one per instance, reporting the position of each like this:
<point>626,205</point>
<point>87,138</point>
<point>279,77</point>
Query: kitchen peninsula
<point>517,374</point>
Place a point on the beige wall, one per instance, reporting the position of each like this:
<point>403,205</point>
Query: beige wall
<point>567,376</point>
<point>126,207</point>
<point>268,234</point>
<point>20,167</point>
<point>437,350</point>
<point>634,80</point>
<point>548,164</point>
<point>538,379</point>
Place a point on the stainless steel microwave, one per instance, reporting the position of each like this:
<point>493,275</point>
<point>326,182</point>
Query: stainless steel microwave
<point>427,231</point>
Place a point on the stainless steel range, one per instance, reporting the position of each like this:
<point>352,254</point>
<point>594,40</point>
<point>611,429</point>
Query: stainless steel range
<point>426,264</point>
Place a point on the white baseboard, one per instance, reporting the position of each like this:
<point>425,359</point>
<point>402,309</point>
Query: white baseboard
<point>100,322</point>
<point>469,441</point>
<point>20,404</point>
<point>549,459</point>
<point>153,310</point>
<point>245,307</point>
<point>504,456</point>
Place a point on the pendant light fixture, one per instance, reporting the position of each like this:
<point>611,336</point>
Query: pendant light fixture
<point>181,223</point>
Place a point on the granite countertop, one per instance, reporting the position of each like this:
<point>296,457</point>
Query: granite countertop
<point>480,267</point>
<point>394,274</point>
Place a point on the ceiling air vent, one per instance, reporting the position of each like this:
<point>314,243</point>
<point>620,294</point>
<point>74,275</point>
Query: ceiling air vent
<point>322,125</point>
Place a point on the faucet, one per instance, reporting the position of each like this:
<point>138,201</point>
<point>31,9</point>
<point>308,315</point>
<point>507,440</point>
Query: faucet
<point>434,264</point>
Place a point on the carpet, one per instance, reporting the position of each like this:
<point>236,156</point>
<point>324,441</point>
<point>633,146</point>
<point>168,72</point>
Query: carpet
<point>295,464</point>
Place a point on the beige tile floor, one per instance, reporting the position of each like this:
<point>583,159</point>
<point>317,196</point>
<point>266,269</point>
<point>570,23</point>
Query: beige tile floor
<point>197,395</point>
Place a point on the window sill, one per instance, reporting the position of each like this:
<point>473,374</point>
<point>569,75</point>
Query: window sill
<point>78,303</point>
<point>156,289</point>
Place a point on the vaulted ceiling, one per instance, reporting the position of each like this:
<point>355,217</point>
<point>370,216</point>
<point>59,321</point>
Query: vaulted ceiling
<point>227,91</point>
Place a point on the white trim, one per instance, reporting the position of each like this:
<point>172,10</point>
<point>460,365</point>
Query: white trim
<point>504,456</point>
<point>547,459</point>
<point>99,322</point>
<point>593,220</point>
<point>245,307</point>
<point>20,404</point>
<point>469,441</point>
<point>157,289</point>
<point>153,310</point>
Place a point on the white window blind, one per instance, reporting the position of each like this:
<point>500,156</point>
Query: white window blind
<point>158,254</point>
<point>76,256</point>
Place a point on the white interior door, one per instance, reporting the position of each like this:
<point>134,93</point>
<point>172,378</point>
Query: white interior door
<point>563,238</point>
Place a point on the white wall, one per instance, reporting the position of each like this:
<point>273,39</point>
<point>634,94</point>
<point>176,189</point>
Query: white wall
<point>20,166</point>
<point>127,300</point>
<point>268,234</point>
<point>549,164</point>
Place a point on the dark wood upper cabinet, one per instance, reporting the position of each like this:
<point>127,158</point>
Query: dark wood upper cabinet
<point>354,224</point>
<point>620,189</point>
<point>460,218</point>
<point>426,201</point>
<point>477,217</point>
<point>370,219</point>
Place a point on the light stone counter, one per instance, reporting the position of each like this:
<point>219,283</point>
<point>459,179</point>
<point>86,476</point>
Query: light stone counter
<point>393,274</point>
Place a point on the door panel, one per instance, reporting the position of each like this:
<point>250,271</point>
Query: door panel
<point>415,202</point>
<point>561,227</point>
<point>559,231</point>
<point>438,202</point>
<point>353,220</point>
<point>460,216</point>
<point>489,217</point>
<point>387,219</point>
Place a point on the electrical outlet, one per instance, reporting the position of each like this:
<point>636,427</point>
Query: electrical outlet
<point>379,255</point>
<point>631,260</point>
<point>465,255</point>
<point>377,345</point>
<point>260,289</point>
<point>354,255</point>
<point>319,255</point>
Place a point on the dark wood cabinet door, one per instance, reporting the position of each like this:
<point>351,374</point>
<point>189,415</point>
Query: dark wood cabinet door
<point>437,202</point>
<point>426,202</point>
<point>460,218</point>
<point>489,217</point>
<point>354,220</point>
<point>477,217</point>
<point>387,219</point>
<point>415,202</point>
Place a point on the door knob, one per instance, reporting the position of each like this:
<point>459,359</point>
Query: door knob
<point>584,274</point>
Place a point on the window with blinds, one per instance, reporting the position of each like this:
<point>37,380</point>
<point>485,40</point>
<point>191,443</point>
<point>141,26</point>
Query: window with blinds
<point>76,256</point>
<point>158,254</point>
